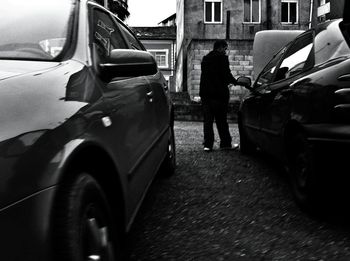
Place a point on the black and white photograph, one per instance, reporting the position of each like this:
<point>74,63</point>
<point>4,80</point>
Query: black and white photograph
<point>175,130</point>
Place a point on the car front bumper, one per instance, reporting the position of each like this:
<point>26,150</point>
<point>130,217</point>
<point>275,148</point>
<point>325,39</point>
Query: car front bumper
<point>25,228</point>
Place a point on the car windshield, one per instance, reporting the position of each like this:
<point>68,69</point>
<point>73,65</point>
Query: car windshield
<point>34,29</point>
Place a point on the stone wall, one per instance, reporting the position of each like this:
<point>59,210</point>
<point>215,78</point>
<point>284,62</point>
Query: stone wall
<point>240,58</point>
<point>196,28</point>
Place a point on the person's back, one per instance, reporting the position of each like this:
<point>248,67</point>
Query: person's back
<point>216,75</point>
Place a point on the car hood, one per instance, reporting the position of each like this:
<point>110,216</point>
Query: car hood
<point>33,96</point>
<point>10,69</point>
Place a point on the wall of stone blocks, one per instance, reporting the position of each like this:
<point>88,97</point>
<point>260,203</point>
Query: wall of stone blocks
<point>196,28</point>
<point>240,58</point>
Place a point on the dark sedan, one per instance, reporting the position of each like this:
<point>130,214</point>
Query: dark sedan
<point>298,110</point>
<point>86,123</point>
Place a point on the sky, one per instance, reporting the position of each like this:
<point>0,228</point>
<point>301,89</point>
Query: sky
<point>149,12</point>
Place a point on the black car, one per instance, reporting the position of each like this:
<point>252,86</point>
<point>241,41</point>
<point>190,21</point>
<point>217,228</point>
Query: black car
<point>86,124</point>
<point>298,110</point>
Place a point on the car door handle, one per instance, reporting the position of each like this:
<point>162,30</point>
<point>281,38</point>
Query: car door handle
<point>343,78</point>
<point>150,96</point>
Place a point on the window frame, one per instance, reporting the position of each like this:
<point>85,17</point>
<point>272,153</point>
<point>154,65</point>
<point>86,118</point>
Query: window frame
<point>297,12</point>
<point>213,11</point>
<point>166,56</point>
<point>251,13</point>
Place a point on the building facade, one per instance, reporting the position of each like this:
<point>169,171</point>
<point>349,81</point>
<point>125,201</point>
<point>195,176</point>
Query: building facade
<point>326,10</point>
<point>201,22</point>
<point>169,21</point>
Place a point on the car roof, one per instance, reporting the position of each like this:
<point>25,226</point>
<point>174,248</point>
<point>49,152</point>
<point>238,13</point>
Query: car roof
<point>267,43</point>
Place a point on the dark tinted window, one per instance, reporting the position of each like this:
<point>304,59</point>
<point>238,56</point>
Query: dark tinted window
<point>255,11</point>
<point>284,13</point>
<point>252,11</point>
<point>246,10</point>
<point>289,11</point>
<point>105,33</point>
<point>298,58</point>
<point>208,12</point>
<point>293,12</point>
<point>134,43</point>
<point>217,11</point>
<point>330,43</point>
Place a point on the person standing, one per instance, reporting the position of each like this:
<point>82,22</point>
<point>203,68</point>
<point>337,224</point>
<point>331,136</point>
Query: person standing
<point>215,95</point>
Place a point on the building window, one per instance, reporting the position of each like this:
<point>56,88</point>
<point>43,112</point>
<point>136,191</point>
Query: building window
<point>161,57</point>
<point>252,10</point>
<point>213,11</point>
<point>289,11</point>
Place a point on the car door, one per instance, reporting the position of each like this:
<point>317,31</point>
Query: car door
<point>158,98</point>
<point>251,107</point>
<point>129,119</point>
<point>276,100</point>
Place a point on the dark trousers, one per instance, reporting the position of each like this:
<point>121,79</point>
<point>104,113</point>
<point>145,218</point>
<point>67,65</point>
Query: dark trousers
<point>215,110</point>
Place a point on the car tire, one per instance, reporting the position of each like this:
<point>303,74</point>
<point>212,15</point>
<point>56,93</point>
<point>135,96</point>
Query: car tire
<point>302,173</point>
<point>84,227</point>
<point>168,166</point>
<point>245,145</point>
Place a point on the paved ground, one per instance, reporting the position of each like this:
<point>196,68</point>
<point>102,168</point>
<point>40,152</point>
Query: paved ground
<point>226,206</point>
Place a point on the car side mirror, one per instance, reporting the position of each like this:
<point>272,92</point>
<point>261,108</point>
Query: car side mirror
<point>128,63</point>
<point>245,82</point>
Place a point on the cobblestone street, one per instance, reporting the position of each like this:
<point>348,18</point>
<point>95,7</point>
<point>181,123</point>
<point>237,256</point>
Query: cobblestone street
<point>226,206</point>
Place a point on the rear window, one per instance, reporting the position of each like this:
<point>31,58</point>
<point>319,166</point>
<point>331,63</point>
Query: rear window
<point>330,43</point>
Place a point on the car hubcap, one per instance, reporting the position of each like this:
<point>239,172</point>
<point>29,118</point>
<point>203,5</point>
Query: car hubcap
<point>98,246</point>
<point>301,170</point>
<point>170,150</point>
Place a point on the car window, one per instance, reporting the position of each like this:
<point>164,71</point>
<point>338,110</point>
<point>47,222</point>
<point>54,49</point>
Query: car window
<point>35,30</point>
<point>105,33</point>
<point>267,74</point>
<point>134,43</point>
<point>330,44</point>
<point>298,58</point>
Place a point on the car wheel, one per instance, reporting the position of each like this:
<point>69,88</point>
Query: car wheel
<point>302,173</point>
<point>169,164</point>
<point>245,145</point>
<point>84,223</point>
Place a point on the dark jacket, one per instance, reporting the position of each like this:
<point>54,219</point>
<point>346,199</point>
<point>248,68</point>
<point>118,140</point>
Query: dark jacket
<point>215,77</point>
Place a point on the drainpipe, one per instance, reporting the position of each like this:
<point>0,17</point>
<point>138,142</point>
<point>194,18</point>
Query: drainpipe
<point>311,13</point>
<point>228,15</point>
<point>346,16</point>
<point>268,15</point>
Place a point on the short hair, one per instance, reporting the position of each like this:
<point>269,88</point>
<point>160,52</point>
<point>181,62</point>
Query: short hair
<point>220,43</point>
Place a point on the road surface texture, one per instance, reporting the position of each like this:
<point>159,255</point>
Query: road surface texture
<point>226,206</point>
